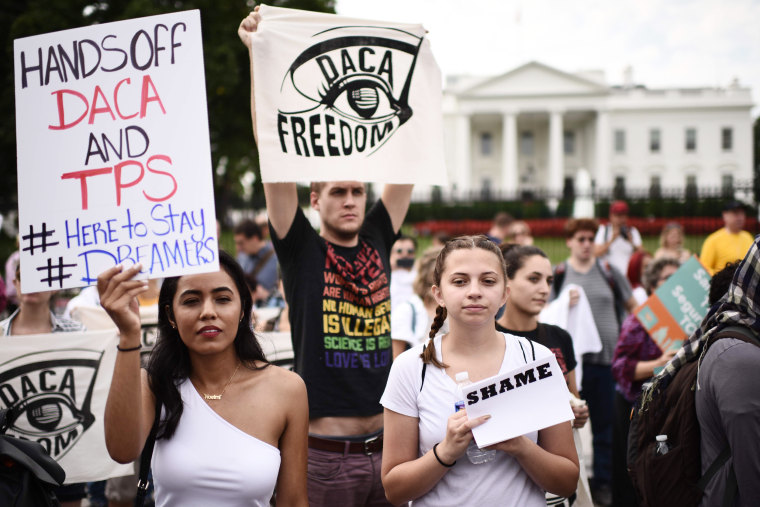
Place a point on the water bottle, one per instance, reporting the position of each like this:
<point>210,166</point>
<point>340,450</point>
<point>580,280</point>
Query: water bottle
<point>662,445</point>
<point>475,454</point>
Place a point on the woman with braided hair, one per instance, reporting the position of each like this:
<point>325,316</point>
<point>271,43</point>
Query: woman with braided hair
<point>425,440</point>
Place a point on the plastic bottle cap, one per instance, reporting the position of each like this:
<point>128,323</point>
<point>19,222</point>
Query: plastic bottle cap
<point>462,376</point>
<point>661,438</point>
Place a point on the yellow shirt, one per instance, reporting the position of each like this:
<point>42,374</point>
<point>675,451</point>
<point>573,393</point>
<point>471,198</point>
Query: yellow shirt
<point>722,247</point>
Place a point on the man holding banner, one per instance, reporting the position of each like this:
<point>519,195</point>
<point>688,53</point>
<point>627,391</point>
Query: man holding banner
<point>334,99</point>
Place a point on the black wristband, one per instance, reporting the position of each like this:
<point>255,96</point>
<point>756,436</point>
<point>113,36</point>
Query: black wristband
<point>128,349</point>
<point>435,453</point>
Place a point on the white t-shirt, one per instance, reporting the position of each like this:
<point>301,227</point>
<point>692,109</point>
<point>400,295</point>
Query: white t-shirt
<point>620,250</point>
<point>409,321</point>
<point>500,482</point>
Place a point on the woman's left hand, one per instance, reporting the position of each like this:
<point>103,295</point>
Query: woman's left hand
<point>513,446</point>
<point>581,415</point>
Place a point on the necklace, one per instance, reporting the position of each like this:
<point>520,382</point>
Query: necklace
<point>219,396</point>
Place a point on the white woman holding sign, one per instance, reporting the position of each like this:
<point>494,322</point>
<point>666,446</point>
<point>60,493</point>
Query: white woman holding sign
<point>426,440</point>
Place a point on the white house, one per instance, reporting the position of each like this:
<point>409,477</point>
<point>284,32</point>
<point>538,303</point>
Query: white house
<point>535,127</point>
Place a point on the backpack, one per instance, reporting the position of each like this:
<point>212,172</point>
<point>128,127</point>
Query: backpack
<point>606,269</point>
<point>28,475</point>
<point>676,477</point>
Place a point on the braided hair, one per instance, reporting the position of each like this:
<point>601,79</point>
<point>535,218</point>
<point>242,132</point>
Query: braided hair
<point>460,243</point>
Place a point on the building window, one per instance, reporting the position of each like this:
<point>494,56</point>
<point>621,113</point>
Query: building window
<point>526,143</point>
<point>619,141</point>
<point>691,187</point>
<point>569,142</point>
<point>727,138</point>
<point>655,187</point>
<point>486,144</point>
<point>727,186</point>
<point>654,140</point>
<point>618,191</point>
<point>691,139</point>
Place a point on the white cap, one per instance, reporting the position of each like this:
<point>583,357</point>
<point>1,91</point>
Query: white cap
<point>462,376</point>
<point>661,438</point>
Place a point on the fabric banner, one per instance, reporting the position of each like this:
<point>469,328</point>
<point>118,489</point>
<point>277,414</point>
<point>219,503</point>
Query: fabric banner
<point>346,99</point>
<point>677,307</point>
<point>114,161</point>
<point>57,385</point>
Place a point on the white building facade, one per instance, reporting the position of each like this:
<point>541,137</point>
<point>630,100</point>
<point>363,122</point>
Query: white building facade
<point>536,127</point>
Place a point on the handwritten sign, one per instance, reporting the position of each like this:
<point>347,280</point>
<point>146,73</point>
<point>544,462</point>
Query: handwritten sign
<point>58,394</point>
<point>529,398</point>
<point>677,307</point>
<point>346,99</point>
<point>114,162</point>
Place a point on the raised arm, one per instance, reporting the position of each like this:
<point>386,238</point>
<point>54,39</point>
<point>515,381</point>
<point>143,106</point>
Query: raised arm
<point>282,198</point>
<point>129,409</point>
<point>396,200</point>
<point>247,27</point>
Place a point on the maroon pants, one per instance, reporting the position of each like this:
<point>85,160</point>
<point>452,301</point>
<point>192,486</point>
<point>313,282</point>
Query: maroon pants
<point>345,479</point>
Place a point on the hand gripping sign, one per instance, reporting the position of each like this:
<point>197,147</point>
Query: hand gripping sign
<point>677,307</point>
<point>346,99</point>
<point>529,398</point>
<point>114,162</point>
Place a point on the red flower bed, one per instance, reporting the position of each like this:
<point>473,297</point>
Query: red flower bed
<point>554,227</point>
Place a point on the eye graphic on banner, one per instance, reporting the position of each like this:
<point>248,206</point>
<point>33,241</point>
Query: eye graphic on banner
<point>349,94</point>
<point>50,396</point>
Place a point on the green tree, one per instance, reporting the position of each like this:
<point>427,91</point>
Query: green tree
<point>227,72</point>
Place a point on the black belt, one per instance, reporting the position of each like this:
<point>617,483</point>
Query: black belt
<point>368,447</point>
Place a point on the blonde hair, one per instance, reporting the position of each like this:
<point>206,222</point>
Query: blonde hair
<point>665,230</point>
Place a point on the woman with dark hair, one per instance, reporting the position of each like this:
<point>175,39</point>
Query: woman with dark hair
<point>425,440</point>
<point>635,359</point>
<point>232,427</point>
<point>529,282</point>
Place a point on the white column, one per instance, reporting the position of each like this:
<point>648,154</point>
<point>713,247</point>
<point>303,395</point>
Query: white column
<point>464,154</point>
<point>509,176</point>
<point>602,173</point>
<point>556,153</point>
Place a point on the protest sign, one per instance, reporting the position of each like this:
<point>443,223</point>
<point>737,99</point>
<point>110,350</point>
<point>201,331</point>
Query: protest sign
<point>114,162</point>
<point>677,307</point>
<point>346,99</point>
<point>526,399</point>
<point>58,394</point>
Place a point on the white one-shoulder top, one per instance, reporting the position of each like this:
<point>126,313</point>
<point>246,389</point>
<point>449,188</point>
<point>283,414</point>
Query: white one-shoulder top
<point>210,462</point>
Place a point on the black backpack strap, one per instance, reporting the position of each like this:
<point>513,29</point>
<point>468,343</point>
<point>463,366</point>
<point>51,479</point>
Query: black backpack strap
<point>732,488</point>
<point>145,457</point>
<point>424,368</point>
<point>714,467</point>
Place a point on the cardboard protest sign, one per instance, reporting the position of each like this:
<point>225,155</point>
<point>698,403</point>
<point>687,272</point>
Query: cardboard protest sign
<point>677,307</point>
<point>114,162</point>
<point>346,99</point>
<point>58,393</point>
<point>526,399</point>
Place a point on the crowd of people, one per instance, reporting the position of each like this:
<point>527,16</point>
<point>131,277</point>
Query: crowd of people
<point>366,417</point>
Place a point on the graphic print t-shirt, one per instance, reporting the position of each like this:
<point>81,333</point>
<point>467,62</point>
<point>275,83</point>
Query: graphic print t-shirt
<point>340,304</point>
<point>555,339</point>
